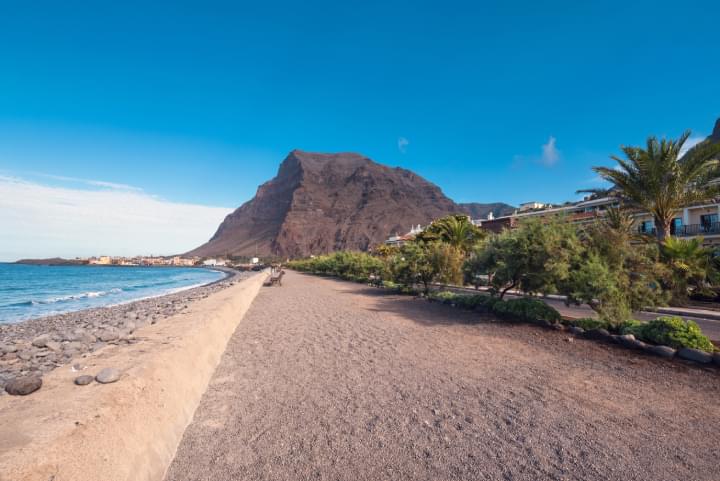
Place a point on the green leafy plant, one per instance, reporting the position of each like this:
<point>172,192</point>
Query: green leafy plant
<point>526,310</point>
<point>671,331</point>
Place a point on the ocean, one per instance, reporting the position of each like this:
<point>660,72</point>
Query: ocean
<point>30,291</point>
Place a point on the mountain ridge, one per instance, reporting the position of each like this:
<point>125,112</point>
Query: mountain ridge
<point>320,202</point>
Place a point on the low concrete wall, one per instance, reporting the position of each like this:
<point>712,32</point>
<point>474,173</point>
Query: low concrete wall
<point>129,430</point>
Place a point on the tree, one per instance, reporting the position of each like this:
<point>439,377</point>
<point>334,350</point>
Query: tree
<point>691,267</point>
<point>447,262</point>
<point>660,181</point>
<point>413,266</point>
<point>611,275</point>
<point>455,230</point>
<point>533,258</point>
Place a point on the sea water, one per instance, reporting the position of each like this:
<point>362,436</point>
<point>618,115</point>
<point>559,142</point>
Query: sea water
<point>32,291</point>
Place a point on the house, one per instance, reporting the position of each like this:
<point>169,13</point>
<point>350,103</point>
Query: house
<point>691,221</point>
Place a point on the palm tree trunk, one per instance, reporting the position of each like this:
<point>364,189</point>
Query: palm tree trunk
<point>662,229</point>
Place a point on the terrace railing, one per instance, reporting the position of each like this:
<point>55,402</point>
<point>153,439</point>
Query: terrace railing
<point>690,230</point>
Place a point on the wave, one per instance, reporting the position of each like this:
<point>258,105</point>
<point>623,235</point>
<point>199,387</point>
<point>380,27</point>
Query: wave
<point>68,298</point>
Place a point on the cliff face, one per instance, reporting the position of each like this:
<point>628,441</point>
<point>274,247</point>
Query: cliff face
<point>715,136</point>
<point>319,203</point>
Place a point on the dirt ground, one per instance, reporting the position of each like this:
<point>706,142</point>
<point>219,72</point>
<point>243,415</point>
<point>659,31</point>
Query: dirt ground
<point>329,380</point>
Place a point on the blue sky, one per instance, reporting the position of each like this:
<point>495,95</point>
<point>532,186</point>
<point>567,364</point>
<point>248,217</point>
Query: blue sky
<point>493,101</point>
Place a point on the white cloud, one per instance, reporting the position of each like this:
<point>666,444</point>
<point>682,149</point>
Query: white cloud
<point>550,153</point>
<point>402,144</point>
<point>46,221</point>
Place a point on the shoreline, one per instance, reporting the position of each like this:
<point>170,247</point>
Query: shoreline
<point>228,273</point>
<point>129,428</point>
<point>35,347</point>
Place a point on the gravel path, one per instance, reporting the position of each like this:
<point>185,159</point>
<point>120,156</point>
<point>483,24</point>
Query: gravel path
<point>331,380</point>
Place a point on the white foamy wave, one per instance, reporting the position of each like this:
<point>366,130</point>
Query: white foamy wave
<point>75,297</point>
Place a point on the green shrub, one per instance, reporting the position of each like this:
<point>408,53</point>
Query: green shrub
<point>446,297</point>
<point>670,331</point>
<point>526,310</point>
<point>588,323</point>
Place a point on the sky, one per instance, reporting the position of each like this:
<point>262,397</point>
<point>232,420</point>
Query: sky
<point>134,127</point>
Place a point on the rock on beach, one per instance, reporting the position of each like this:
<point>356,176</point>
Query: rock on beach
<point>108,375</point>
<point>22,386</point>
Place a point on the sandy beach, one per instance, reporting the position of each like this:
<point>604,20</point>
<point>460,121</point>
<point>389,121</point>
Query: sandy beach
<point>129,429</point>
<point>332,380</point>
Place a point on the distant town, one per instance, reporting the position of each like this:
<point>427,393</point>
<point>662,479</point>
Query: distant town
<point>176,261</point>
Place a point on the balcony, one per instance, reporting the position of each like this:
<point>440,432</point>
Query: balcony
<point>690,230</point>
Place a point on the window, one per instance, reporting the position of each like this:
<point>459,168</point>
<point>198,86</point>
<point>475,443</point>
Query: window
<point>647,227</point>
<point>708,222</point>
<point>676,226</point>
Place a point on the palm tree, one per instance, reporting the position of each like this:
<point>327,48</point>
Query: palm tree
<point>455,230</point>
<point>690,263</point>
<point>659,180</point>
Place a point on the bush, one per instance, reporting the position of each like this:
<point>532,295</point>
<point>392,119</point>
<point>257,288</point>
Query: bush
<point>670,331</point>
<point>526,310</point>
<point>588,323</point>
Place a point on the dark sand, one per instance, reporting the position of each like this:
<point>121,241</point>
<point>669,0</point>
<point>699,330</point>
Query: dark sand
<point>331,380</point>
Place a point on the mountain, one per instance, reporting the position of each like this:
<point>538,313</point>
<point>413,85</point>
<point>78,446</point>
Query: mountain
<point>319,203</point>
<point>715,136</point>
<point>481,211</point>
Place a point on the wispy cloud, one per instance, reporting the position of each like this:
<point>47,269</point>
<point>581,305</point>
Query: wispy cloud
<point>550,153</point>
<point>90,182</point>
<point>549,157</point>
<point>402,144</point>
<point>45,221</point>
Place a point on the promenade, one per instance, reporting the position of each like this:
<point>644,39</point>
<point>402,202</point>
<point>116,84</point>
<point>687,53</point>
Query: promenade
<point>330,380</point>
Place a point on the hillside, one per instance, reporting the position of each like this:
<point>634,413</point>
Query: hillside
<point>318,203</point>
<point>481,211</point>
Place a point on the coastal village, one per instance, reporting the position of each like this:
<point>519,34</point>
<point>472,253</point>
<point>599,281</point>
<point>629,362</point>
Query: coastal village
<point>697,220</point>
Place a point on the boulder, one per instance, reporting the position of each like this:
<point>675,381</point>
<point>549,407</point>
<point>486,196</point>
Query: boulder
<point>108,375</point>
<point>54,346</point>
<point>22,386</point>
<point>662,351</point>
<point>716,358</point>
<point>83,380</point>
<point>7,348</point>
<point>576,330</point>
<point>41,341</point>
<point>597,334</point>
<point>695,355</point>
<point>628,340</point>
<point>108,335</point>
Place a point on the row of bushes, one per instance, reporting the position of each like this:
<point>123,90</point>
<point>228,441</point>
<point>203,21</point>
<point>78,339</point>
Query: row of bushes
<point>523,309</point>
<point>365,268</point>
<point>670,331</point>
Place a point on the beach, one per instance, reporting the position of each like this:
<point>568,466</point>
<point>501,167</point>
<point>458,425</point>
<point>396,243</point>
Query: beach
<point>128,429</point>
<point>35,347</point>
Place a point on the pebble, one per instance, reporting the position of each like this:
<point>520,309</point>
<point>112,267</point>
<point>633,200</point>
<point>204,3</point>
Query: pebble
<point>108,375</point>
<point>22,386</point>
<point>41,341</point>
<point>108,335</point>
<point>83,380</point>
